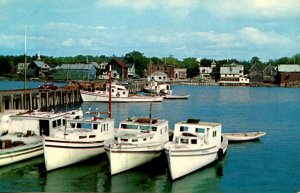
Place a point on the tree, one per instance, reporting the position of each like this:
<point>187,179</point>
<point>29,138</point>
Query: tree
<point>192,67</point>
<point>139,60</point>
<point>254,60</point>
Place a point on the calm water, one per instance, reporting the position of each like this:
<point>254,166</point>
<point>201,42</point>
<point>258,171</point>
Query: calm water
<point>268,165</point>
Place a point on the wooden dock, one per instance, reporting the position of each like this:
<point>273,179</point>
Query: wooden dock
<point>36,99</point>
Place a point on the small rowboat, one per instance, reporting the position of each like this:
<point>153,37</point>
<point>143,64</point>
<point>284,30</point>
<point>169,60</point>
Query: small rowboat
<point>245,136</point>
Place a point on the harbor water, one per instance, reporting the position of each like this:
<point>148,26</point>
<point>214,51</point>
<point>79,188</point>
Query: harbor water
<point>270,164</point>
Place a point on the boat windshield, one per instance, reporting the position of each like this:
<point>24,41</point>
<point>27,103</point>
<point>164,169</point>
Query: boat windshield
<point>145,127</point>
<point>128,126</point>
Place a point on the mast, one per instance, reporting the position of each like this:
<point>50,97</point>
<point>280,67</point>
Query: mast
<point>25,66</point>
<point>110,93</point>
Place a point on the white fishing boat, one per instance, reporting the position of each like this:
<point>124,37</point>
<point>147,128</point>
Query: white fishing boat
<point>195,144</point>
<point>23,137</point>
<point>119,94</point>
<point>137,141</point>
<point>79,140</point>
<point>154,87</point>
<point>244,136</point>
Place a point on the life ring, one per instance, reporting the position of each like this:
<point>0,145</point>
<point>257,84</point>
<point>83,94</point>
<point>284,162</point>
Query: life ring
<point>118,94</point>
<point>220,154</point>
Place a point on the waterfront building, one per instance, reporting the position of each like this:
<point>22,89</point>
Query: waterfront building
<point>131,70</point>
<point>167,69</point>
<point>255,74</point>
<point>158,76</point>
<point>118,67</point>
<point>233,74</point>
<point>75,72</point>
<point>269,74</point>
<point>288,74</point>
<point>180,73</point>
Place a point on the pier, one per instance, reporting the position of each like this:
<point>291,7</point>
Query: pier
<point>37,99</point>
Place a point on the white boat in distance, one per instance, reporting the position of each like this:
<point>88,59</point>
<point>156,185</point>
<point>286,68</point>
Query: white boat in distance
<point>154,87</point>
<point>174,96</point>
<point>119,94</point>
<point>244,136</point>
<point>195,144</point>
<point>23,137</point>
<point>137,141</point>
<point>79,140</point>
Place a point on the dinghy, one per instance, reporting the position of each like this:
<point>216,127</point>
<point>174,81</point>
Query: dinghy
<point>244,136</point>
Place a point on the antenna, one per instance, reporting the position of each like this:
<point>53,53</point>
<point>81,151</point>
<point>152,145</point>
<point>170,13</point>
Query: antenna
<point>110,90</point>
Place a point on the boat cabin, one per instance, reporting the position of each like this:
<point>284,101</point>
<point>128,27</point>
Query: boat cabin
<point>36,123</point>
<point>75,128</point>
<point>117,90</point>
<point>195,132</point>
<point>142,130</point>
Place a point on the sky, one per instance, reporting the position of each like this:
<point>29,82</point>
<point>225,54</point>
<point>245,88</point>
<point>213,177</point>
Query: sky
<point>213,29</point>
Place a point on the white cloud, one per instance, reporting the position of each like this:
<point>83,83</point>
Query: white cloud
<point>254,8</point>
<point>68,42</point>
<point>244,37</point>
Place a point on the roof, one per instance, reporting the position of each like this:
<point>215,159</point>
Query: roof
<point>119,62</point>
<point>158,73</point>
<point>39,64</point>
<point>230,70</point>
<point>79,66</point>
<point>288,68</point>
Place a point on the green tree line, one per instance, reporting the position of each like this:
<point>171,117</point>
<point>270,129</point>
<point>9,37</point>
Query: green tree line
<point>8,64</point>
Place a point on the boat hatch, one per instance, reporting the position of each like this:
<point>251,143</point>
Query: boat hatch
<point>193,121</point>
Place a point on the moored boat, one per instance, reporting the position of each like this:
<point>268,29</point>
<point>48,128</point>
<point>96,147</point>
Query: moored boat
<point>244,136</point>
<point>79,140</point>
<point>137,141</point>
<point>119,93</point>
<point>156,88</point>
<point>23,139</point>
<point>201,142</point>
<point>174,96</point>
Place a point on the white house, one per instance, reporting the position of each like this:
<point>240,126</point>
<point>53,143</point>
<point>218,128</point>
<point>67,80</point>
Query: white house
<point>180,73</point>
<point>233,74</point>
<point>158,76</point>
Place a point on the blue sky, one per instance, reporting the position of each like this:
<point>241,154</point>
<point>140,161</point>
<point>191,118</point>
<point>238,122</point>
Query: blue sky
<point>215,29</point>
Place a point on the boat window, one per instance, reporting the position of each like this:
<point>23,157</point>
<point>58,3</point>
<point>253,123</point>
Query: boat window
<point>95,126</point>
<point>214,133</point>
<point>184,128</point>
<point>112,90</point>
<point>59,122</point>
<point>166,129</point>
<point>64,121</point>
<point>72,125</point>
<point>144,139</point>
<point>125,126</point>
<point>200,130</point>
<point>116,138</point>
<point>54,123</point>
<point>185,141</point>
<point>124,140</point>
<point>154,128</point>
<point>123,93</point>
<point>144,127</point>
<point>135,140</point>
<point>193,141</point>
<point>78,125</point>
<point>92,136</point>
<point>82,137</point>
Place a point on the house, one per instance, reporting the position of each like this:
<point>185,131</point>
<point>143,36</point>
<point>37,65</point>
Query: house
<point>269,74</point>
<point>167,69</point>
<point>118,67</point>
<point>102,73</point>
<point>255,74</point>
<point>75,72</point>
<point>288,73</point>
<point>180,73</point>
<point>131,70</point>
<point>158,76</point>
<point>38,68</point>
<point>233,74</point>
<point>204,72</point>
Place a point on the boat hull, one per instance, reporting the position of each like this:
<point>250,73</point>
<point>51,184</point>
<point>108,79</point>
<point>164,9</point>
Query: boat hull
<point>246,136</point>
<point>104,98</point>
<point>21,153</point>
<point>180,163</point>
<point>125,159</point>
<point>70,152</point>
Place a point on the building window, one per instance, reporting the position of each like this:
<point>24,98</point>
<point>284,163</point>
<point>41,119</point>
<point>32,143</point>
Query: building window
<point>184,128</point>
